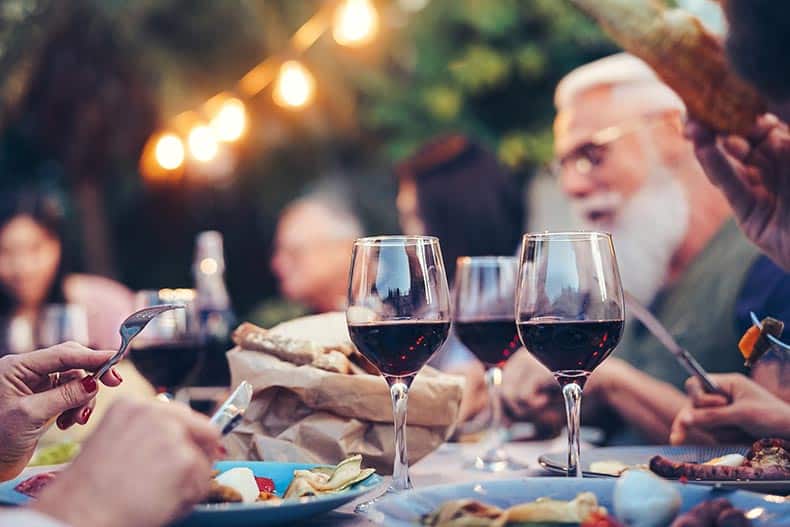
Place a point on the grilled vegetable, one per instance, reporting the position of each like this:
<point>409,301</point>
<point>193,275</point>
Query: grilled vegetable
<point>685,55</point>
<point>755,343</point>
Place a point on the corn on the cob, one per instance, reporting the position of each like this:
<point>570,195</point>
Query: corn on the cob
<point>685,55</point>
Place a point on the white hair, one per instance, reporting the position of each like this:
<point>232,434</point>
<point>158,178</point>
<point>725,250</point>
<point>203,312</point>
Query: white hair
<point>630,78</point>
<point>341,222</point>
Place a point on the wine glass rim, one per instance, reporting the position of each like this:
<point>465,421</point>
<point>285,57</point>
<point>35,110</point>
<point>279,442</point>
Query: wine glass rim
<point>396,240</point>
<point>567,235</point>
<point>485,260</point>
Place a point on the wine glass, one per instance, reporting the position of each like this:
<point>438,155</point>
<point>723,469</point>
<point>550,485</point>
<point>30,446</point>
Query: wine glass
<point>485,292</point>
<point>570,311</point>
<point>398,316</point>
<point>59,323</point>
<point>167,352</point>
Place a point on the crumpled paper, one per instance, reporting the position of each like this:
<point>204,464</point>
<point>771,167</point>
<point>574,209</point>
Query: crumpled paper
<point>305,414</point>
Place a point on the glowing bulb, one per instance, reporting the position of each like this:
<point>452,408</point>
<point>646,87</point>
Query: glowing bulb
<point>356,23</point>
<point>169,151</point>
<point>295,85</point>
<point>231,120</point>
<point>208,266</point>
<point>202,143</point>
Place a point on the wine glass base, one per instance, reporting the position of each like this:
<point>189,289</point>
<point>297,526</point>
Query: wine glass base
<point>495,465</point>
<point>364,507</point>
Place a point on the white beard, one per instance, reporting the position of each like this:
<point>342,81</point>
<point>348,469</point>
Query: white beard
<point>647,230</point>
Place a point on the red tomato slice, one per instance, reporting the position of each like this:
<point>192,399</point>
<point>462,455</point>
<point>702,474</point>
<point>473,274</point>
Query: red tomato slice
<point>265,485</point>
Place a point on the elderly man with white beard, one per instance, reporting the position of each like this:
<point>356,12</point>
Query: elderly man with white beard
<point>627,169</point>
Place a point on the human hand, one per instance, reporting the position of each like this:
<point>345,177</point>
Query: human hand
<point>146,464</point>
<point>754,411</point>
<point>38,386</point>
<point>531,393</point>
<point>475,396</point>
<point>753,171</point>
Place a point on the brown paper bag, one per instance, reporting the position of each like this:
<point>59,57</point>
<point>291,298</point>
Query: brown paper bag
<point>306,414</point>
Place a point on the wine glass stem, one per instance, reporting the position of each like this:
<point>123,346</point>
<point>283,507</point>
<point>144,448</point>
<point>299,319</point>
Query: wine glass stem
<point>572,393</point>
<point>400,470</point>
<point>494,383</point>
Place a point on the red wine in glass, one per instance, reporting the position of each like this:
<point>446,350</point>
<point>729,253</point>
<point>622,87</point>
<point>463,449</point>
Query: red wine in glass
<point>399,348</point>
<point>493,342</point>
<point>571,349</point>
<point>167,365</point>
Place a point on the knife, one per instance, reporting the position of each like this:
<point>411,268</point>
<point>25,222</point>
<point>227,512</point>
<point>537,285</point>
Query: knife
<point>229,415</point>
<point>685,358</point>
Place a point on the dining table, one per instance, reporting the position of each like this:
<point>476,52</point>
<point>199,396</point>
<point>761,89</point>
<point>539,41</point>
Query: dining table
<point>450,464</point>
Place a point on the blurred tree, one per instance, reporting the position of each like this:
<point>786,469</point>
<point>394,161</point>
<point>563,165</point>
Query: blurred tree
<point>486,68</point>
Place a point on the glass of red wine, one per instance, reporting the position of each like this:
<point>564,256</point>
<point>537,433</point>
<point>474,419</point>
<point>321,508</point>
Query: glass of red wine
<point>398,316</point>
<point>485,292</point>
<point>167,352</point>
<point>569,312</point>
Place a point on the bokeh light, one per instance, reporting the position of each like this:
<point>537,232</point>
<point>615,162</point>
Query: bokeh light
<point>202,143</point>
<point>295,85</point>
<point>356,22</point>
<point>169,151</point>
<point>230,122</point>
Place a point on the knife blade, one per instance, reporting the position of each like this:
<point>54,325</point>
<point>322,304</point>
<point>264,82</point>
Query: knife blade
<point>229,415</point>
<point>686,359</point>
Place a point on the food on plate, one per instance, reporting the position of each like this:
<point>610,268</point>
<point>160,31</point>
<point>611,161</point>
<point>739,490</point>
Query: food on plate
<point>727,460</point>
<point>612,467</point>
<point>55,454</point>
<point>768,460</point>
<point>685,55</point>
<point>34,485</point>
<point>240,485</point>
<point>642,499</point>
<point>472,513</point>
<point>234,485</point>
<point>755,343</point>
<point>328,480</point>
<point>713,513</point>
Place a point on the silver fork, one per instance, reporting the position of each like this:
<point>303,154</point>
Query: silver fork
<point>130,328</point>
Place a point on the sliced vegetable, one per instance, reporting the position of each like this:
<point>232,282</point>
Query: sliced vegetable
<point>265,484</point>
<point>755,343</point>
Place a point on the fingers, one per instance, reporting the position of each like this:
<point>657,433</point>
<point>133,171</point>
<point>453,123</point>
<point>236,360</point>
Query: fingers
<point>64,357</point>
<point>712,417</point>
<point>700,398</point>
<point>45,405</point>
<point>78,415</point>
<point>198,427</point>
<point>698,133</point>
<point>678,431</point>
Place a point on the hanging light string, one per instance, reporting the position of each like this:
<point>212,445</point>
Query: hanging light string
<point>198,136</point>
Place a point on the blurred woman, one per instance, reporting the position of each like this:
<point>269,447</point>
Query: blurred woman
<point>34,273</point>
<point>454,189</point>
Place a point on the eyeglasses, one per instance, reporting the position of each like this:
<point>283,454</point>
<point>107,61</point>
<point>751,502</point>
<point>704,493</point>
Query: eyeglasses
<point>593,152</point>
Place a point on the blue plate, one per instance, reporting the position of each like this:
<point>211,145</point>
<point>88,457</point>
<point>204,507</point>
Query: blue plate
<point>640,455</point>
<point>404,510</point>
<point>240,514</point>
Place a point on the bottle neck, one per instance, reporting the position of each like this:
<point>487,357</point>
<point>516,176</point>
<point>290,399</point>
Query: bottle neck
<point>211,291</point>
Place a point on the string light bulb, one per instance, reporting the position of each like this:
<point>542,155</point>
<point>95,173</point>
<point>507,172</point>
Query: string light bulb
<point>169,151</point>
<point>356,23</point>
<point>202,143</point>
<point>295,85</point>
<point>230,122</point>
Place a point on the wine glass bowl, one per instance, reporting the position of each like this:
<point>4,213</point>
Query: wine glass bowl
<point>398,316</point>
<point>484,296</point>
<point>570,311</point>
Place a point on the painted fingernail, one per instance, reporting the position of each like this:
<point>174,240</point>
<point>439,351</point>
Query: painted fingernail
<point>89,384</point>
<point>86,413</point>
<point>223,451</point>
<point>117,375</point>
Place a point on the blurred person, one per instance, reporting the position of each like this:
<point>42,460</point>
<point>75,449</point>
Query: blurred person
<point>167,449</point>
<point>753,170</point>
<point>34,272</point>
<point>753,411</point>
<point>627,169</point>
<point>312,252</point>
<point>456,190</point>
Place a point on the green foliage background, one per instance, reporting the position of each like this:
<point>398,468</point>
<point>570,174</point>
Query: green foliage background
<point>486,68</point>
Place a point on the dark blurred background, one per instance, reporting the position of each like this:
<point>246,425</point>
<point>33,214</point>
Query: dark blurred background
<point>86,82</point>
